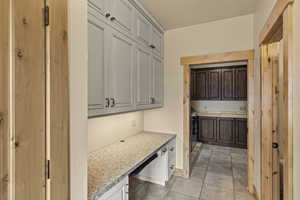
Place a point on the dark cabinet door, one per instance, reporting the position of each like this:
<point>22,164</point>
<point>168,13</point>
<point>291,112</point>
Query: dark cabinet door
<point>214,84</point>
<point>241,132</point>
<point>241,83</point>
<point>225,131</point>
<point>207,129</point>
<point>228,84</point>
<point>193,85</point>
<point>201,85</point>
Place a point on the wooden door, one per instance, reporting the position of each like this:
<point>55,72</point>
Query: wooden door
<point>214,84</point>
<point>201,85</point>
<point>121,72</point>
<point>122,14</point>
<point>207,129</point>
<point>143,76</point>
<point>157,97</point>
<point>228,84</point>
<point>143,29</point>
<point>98,101</point>
<point>241,89</point>
<point>225,131</point>
<point>241,133</point>
<point>100,5</point>
<point>30,98</point>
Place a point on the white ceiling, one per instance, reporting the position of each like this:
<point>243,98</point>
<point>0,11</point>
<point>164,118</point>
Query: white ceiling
<point>180,13</point>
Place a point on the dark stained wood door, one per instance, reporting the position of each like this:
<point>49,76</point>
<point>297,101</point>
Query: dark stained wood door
<point>241,132</point>
<point>225,131</point>
<point>241,83</point>
<point>207,129</point>
<point>201,87</point>
<point>228,84</point>
<point>214,84</point>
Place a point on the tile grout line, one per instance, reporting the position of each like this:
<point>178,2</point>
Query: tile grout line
<point>203,182</point>
<point>233,180</point>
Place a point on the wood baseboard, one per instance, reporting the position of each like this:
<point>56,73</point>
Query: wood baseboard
<point>255,194</point>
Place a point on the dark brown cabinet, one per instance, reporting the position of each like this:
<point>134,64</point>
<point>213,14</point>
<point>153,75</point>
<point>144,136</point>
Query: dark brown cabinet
<point>223,131</point>
<point>241,83</point>
<point>208,129</point>
<point>228,83</point>
<point>214,84</point>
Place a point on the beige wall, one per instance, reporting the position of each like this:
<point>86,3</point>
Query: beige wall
<point>216,37</point>
<point>107,130</point>
<point>78,98</point>
<point>296,90</point>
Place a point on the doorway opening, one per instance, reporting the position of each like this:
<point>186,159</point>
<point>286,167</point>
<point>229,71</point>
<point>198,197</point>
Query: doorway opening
<point>246,57</point>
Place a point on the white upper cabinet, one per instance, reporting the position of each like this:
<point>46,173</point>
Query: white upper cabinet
<point>97,38</point>
<point>143,29</point>
<point>100,5</point>
<point>157,42</point>
<point>143,78</point>
<point>121,72</point>
<point>157,81</point>
<point>122,14</point>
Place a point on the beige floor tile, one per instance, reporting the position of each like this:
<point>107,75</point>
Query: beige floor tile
<point>178,196</point>
<point>215,194</point>
<point>187,187</point>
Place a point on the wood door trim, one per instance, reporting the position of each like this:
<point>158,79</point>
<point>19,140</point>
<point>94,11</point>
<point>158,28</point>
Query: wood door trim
<point>5,53</point>
<point>219,58</point>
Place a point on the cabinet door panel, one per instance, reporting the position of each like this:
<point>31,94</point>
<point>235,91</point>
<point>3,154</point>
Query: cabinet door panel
<point>123,12</point>
<point>241,83</point>
<point>100,5</point>
<point>157,81</point>
<point>228,84</point>
<point>207,129</point>
<point>193,85</point>
<point>157,40</point>
<point>143,29</point>
<point>143,66</point>
<point>226,131</point>
<point>201,87</point>
<point>214,83</point>
<point>241,132</point>
<point>121,71</point>
<point>96,66</point>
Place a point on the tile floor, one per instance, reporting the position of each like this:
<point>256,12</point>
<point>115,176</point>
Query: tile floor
<point>219,173</point>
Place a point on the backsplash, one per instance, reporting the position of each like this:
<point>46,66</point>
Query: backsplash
<point>219,106</point>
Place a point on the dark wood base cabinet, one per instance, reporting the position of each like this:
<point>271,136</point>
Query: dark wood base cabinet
<point>223,131</point>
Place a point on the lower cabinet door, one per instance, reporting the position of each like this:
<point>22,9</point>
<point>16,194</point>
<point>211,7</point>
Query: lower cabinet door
<point>207,129</point>
<point>241,133</point>
<point>225,131</point>
<point>118,192</point>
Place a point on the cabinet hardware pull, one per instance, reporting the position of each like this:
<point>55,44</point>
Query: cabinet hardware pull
<point>152,100</point>
<point>112,18</point>
<point>107,15</point>
<point>113,102</point>
<point>164,150</point>
<point>172,149</point>
<point>152,46</point>
<point>107,102</point>
<point>172,167</point>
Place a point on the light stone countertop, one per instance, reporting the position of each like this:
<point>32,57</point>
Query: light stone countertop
<point>242,115</point>
<point>109,165</point>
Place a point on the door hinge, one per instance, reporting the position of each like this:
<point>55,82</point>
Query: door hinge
<point>46,16</point>
<point>48,169</point>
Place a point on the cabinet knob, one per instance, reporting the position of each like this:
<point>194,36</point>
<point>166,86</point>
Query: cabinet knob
<point>172,149</point>
<point>152,46</point>
<point>112,18</point>
<point>172,167</point>
<point>164,150</point>
<point>107,15</point>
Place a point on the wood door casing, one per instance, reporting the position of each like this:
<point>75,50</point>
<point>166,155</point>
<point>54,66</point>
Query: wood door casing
<point>30,98</point>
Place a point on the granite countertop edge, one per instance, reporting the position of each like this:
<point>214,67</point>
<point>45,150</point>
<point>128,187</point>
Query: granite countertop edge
<point>118,179</point>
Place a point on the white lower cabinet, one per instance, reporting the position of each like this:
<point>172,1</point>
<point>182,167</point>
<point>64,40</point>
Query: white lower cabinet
<point>118,192</point>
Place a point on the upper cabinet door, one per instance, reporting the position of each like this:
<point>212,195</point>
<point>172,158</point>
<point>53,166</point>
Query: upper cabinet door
<point>201,85</point>
<point>143,29</point>
<point>97,35</point>
<point>241,83</point>
<point>228,84</point>
<point>121,65</point>
<point>122,13</point>
<point>156,42</point>
<point>157,97</point>
<point>214,84</point>
<point>143,78</point>
<point>100,5</point>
